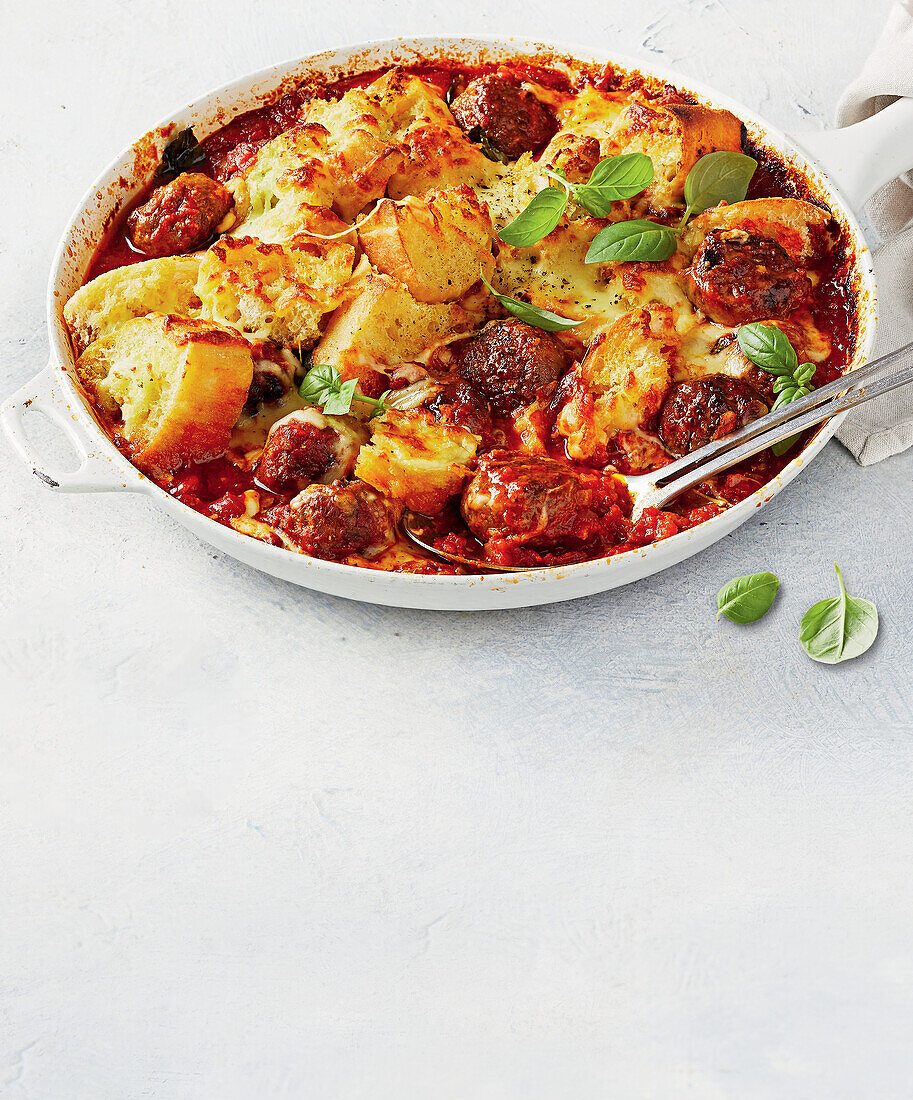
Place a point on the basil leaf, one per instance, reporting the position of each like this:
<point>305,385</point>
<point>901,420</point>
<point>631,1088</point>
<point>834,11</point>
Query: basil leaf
<point>717,177</point>
<point>318,382</point>
<point>532,315</point>
<point>747,599</point>
<point>614,178</point>
<point>838,629</point>
<point>381,406</point>
<point>623,242</point>
<point>783,446</point>
<point>538,219</point>
<point>786,396</point>
<point>768,348</point>
<point>340,402</point>
<point>181,154</point>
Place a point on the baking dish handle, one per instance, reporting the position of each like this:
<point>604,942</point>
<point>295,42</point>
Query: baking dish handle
<point>863,157</point>
<point>97,473</point>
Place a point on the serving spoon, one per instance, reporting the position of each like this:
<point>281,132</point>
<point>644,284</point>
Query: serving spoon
<point>654,490</point>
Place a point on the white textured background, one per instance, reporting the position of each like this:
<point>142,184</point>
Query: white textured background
<point>256,842</point>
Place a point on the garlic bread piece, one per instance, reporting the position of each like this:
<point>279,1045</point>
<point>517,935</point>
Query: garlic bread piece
<point>675,135</point>
<point>178,383</point>
<point>415,460</point>
<point>291,222</point>
<point>621,383</point>
<point>382,324</point>
<point>341,155</point>
<point>165,285</point>
<point>271,291</point>
<point>434,245</point>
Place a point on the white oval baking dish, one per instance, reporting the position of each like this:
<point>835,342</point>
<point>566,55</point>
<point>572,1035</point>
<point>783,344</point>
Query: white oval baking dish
<point>846,166</point>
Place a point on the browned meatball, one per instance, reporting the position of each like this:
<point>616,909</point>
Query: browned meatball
<point>737,277</point>
<point>335,521</point>
<point>514,120</point>
<point>273,378</point>
<point>539,504</point>
<point>697,412</point>
<point>180,216</point>
<point>509,361</point>
<point>307,446</point>
<point>461,404</point>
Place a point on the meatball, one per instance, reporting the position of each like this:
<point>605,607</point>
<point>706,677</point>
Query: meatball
<point>272,380</point>
<point>519,502</point>
<point>459,403</point>
<point>180,216</point>
<point>737,277</point>
<point>509,362</point>
<point>307,446</point>
<point>335,521</point>
<point>699,411</point>
<point>512,118</point>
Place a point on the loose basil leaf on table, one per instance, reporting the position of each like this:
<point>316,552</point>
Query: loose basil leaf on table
<point>747,599</point>
<point>638,240</point>
<point>613,179</point>
<point>717,177</point>
<point>840,628</point>
<point>181,154</point>
<point>538,219</point>
<point>530,314</point>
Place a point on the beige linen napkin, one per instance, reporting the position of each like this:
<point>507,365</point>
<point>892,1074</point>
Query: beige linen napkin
<point>884,427</point>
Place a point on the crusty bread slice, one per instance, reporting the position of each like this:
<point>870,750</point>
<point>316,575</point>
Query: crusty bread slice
<point>382,324</point>
<point>674,135</point>
<point>415,460</point>
<point>273,292</point>
<point>164,285</point>
<point>435,245</point>
<point>179,385</point>
<point>621,383</point>
<point>341,154</point>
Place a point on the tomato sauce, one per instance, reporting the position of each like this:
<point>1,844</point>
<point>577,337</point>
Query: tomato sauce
<point>216,488</point>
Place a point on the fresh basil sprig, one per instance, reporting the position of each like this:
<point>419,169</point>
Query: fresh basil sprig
<point>769,348</point>
<point>717,177</point>
<point>638,240</point>
<point>614,178</point>
<point>747,599</point>
<point>532,315</point>
<point>323,386</point>
<point>840,628</point>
